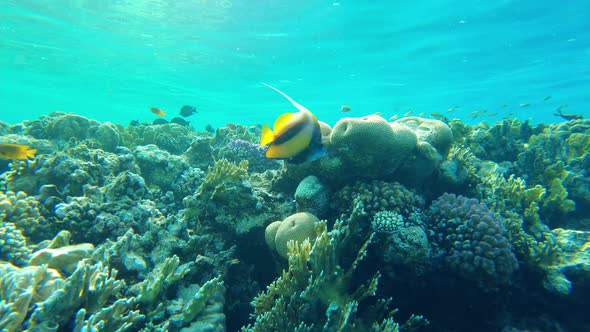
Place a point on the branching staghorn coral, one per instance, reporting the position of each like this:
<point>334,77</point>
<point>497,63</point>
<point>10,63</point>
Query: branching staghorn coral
<point>315,293</point>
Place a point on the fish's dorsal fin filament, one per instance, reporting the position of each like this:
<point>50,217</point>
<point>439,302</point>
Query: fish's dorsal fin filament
<point>296,104</point>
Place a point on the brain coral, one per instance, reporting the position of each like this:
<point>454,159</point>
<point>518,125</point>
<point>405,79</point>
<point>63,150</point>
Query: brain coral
<point>297,227</point>
<point>471,239</point>
<point>370,146</point>
<point>434,142</point>
<point>434,132</point>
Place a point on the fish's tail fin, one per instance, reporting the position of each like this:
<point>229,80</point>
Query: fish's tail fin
<point>30,153</point>
<point>24,152</point>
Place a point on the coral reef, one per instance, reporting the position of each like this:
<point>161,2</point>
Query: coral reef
<point>158,227</point>
<point>403,241</point>
<point>13,245</point>
<point>297,228</point>
<point>377,196</point>
<point>472,239</point>
<point>316,293</point>
<point>238,150</point>
<point>312,196</point>
<point>371,147</point>
<point>226,199</point>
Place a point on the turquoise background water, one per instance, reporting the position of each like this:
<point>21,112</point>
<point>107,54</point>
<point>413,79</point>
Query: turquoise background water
<point>113,60</point>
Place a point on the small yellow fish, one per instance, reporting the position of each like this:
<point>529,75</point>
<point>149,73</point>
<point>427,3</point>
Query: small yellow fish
<point>394,117</point>
<point>16,151</point>
<point>157,111</point>
<point>408,113</point>
<point>234,261</point>
<point>547,98</point>
<point>345,108</point>
<point>452,109</point>
<point>422,114</point>
<point>525,105</point>
<point>377,113</point>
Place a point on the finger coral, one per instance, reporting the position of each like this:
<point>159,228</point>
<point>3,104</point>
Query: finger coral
<point>471,239</point>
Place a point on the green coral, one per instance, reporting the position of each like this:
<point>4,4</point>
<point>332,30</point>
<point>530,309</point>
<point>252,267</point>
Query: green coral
<point>158,279</point>
<point>557,198</point>
<point>315,293</point>
<point>227,199</point>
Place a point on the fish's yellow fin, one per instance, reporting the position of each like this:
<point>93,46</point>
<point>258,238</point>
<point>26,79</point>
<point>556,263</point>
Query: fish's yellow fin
<point>292,147</point>
<point>293,102</point>
<point>30,153</point>
<point>282,121</point>
<point>267,136</point>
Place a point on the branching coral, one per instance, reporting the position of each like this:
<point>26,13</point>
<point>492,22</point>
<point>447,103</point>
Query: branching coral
<point>316,292</point>
<point>227,199</point>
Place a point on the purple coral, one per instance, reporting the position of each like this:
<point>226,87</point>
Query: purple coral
<point>239,150</point>
<point>471,238</point>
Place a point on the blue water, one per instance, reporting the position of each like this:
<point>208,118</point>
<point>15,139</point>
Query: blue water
<point>113,60</point>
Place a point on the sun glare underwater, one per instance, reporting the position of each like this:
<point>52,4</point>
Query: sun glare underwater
<point>232,165</point>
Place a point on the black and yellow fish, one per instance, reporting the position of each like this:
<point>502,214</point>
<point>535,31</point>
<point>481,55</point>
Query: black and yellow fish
<point>16,151</point>
<point>296,136</point>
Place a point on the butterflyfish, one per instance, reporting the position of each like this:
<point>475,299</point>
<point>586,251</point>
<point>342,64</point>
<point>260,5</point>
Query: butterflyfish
<point>157,111</point>
<point>295,136</point>
<point>16,151</point>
